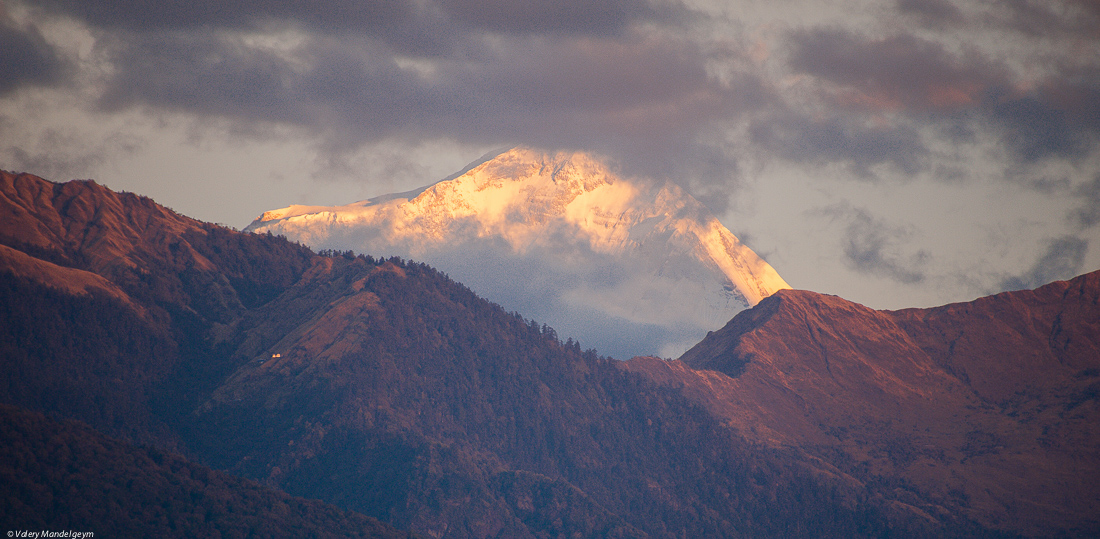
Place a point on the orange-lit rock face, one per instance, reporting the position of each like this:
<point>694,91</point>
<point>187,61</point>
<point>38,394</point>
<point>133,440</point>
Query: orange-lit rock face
<point>106,229</point>
<point>977,403</point>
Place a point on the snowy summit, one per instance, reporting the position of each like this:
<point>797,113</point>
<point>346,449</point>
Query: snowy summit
<point>623,266</point>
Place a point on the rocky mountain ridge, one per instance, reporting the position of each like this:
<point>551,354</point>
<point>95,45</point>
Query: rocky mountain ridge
<point>987,407</point>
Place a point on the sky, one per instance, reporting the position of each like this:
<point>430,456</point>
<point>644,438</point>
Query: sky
<point>901,153</point>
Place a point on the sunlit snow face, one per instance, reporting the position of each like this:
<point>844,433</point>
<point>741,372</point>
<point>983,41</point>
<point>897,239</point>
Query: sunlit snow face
<point>626,267</point>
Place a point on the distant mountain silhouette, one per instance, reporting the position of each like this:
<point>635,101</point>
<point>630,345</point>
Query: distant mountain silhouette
<point>385,388</point>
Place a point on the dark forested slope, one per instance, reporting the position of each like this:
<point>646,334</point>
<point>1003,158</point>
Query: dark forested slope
<point>64,476</point>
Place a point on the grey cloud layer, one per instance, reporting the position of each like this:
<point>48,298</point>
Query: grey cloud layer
<point>906,91</point>
<point>923,82</point>
<point>837,139</point>
<point>563,16</point>
<point>630,78</point>
<point>572,73</point>
<point>540,91</point>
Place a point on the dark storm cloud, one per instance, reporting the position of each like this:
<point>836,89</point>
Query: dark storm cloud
<point>620,77</point>
<point>25,57</point>
<point>873,246</point>
<point>411,22</point>
<point>584,17</point>
<point>922,81</point>
<point>1062,260</point>
<point>204,72</point>
<point>189,14</point>
<point>1060,117</point>
<point>407,26</point>
<point>1033,127</point>
<point>637,95</point>
<point>447,30</point>
<point>935,13</point>
<point>578,74</point>
<point>1048,18</point>
<point>646,90</point>
<point>1032,18</point>
<point>613,77</point>
<point>807,139</point>
<point>860,79</point>
<point>345,92</point>
<point>893,73</point>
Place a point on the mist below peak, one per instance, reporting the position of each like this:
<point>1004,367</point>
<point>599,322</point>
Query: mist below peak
<point>626,266</point>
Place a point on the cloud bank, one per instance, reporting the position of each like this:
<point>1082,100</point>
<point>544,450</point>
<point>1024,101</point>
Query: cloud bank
<point>647,82</point>
<point>716,96</point>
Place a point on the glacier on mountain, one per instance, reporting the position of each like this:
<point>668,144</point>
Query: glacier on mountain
<point>628,267</point>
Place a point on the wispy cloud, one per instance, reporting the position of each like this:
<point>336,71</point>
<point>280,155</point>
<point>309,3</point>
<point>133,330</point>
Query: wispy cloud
<point>1087,215</point>
<point>873,246</point>
<point>1062,259</point>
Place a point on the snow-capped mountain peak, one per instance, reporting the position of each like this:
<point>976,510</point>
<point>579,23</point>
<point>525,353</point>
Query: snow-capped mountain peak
<point>627,266</point>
